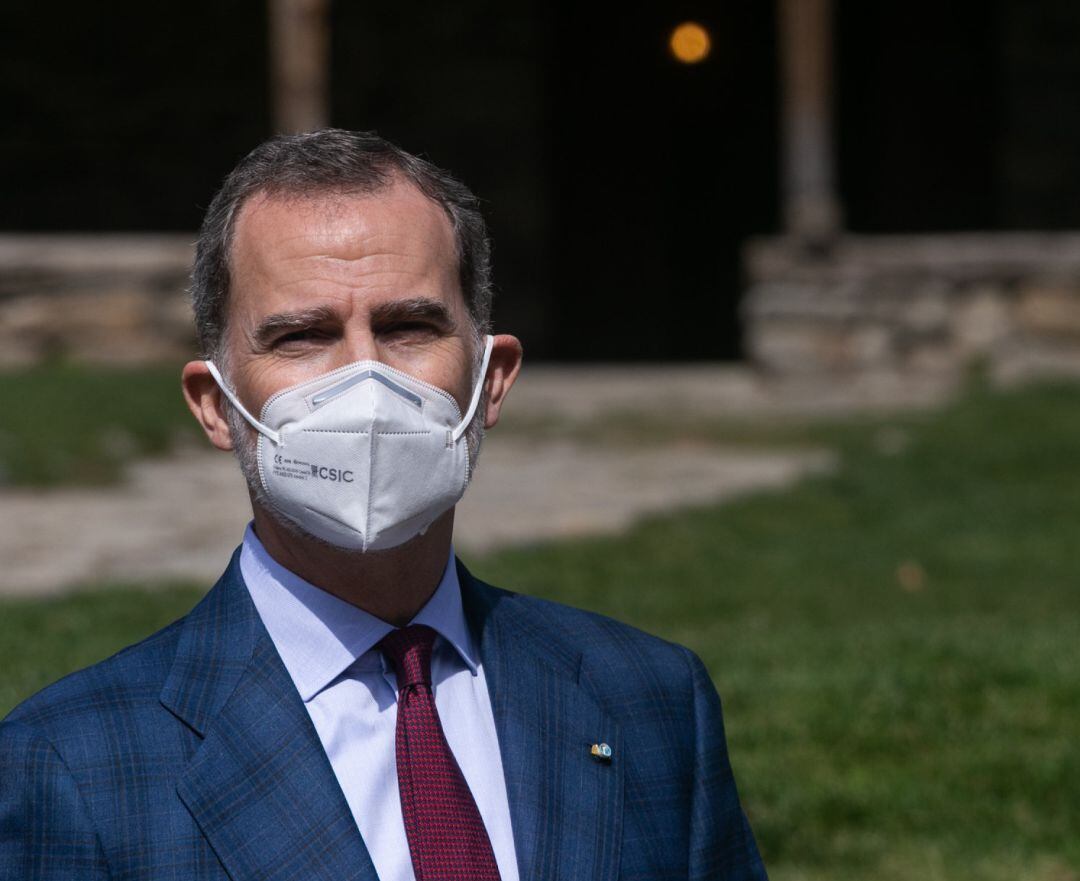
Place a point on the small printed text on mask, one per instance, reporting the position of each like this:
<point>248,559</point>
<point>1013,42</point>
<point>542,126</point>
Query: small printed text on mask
<point>298,469</point>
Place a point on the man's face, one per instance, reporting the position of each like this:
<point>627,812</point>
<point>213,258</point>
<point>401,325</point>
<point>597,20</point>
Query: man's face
<point>321,282</point>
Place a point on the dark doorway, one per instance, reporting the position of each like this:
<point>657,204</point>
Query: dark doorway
<point>619,184</point>
<point>959,115</point>
<point>658,171</point>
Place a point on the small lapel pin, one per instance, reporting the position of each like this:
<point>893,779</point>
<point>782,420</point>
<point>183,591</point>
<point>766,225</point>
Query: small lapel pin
<point>601,752</point>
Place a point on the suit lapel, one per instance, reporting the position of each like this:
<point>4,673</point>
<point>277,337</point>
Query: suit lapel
<point>259,786</point>
<point>565,806</point>
<point>263,792</point>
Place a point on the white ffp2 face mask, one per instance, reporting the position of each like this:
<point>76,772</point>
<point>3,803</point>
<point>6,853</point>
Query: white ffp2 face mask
<point>365,456</point>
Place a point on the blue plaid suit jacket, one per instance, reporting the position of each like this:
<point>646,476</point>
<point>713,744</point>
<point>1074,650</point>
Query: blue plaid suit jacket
<point>190,756</point>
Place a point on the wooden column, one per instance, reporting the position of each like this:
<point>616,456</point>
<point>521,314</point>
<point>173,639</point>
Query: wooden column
<point>811,207</point>
<point>300,64</point>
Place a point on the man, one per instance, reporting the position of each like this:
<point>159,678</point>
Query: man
<point>348,702</point>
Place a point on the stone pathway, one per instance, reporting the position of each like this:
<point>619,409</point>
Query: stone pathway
<point>180,518</point>
<point>523,493</point>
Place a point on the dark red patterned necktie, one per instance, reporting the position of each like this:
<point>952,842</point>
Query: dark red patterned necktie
<point>447,839</point>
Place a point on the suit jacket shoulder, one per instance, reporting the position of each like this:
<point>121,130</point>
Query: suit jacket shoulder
<point>89,765</point>
<point>656,708</point>
<point>132,675</point>
<point>616,661</point>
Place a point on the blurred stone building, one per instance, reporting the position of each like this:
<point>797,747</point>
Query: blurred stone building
<point>833,188</point>
<point>930,178</point>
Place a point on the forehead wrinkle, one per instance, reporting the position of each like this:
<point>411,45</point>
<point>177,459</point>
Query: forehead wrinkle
<point>349,227</point>
<point>324,214</point>
<point>372,263</point>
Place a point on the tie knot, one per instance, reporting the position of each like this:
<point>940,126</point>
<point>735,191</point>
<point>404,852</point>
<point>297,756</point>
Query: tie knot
<point>409,650</point>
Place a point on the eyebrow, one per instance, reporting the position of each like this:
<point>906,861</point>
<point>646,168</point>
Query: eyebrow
<point>411,309</point>
<point>414,309</point>
<point>275,324</point>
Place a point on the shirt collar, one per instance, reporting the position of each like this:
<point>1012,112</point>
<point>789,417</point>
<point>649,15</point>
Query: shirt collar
<point>319,636</point>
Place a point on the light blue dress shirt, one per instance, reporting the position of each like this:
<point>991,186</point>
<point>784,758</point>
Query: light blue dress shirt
<point>328,648</point>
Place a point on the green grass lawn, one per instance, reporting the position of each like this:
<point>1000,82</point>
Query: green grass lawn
<point>897,644</point>
<point>67,424</point>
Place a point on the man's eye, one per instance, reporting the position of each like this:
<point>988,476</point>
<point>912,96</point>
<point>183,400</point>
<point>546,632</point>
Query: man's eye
<point>297,336</point>
<point>411,330</point>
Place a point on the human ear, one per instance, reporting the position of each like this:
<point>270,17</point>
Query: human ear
<point>503,368</point>
<point>207,403</point>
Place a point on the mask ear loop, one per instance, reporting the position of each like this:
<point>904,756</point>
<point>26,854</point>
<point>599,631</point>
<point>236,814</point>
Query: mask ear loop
<point>478,390</point>
<point>268,433</point>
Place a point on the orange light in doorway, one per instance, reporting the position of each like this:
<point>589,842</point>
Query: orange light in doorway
<point>690,43</point>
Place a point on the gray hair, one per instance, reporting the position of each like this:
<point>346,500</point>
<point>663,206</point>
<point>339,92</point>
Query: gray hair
<point>324,162</point>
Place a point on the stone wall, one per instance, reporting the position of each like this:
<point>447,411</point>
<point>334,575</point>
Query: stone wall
<point>96,298</point>
<point>907,305</point>
<point>897,305</point>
